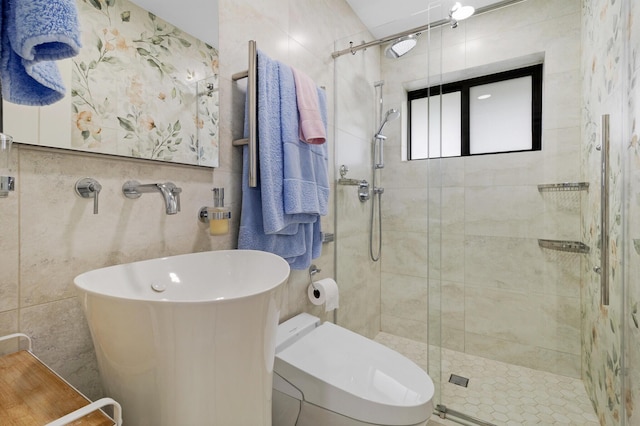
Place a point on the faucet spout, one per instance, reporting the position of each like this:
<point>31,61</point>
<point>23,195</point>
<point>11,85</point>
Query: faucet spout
<point>171,195</point>
<point>169,191</point>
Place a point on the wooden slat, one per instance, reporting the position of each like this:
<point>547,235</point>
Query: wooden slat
<point>31,394</point>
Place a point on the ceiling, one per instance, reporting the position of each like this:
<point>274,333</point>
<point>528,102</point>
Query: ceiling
<point>387,17</point>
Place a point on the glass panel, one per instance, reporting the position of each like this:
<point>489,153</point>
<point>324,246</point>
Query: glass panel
<point>434,212</point>
<point>509,315</point>
<point>500,116</point>
<point>511,311</point>
<point>356,120</point>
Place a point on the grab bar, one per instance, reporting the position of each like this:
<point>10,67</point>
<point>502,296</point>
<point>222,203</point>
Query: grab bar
<point>603,269</point>
<point>252,89</point>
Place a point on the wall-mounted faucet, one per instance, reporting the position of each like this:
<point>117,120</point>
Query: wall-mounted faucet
<point>170,193</point>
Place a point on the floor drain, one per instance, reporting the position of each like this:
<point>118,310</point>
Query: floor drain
<point>458,380</point>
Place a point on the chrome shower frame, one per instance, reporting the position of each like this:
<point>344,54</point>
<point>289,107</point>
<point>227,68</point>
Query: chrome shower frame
<point>364,45</point>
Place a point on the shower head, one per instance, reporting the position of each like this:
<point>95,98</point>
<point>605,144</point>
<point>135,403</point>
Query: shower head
<point>392,114</point>
<point>401,46</point>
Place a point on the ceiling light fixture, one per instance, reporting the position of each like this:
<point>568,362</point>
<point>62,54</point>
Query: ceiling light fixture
<point>458,12</point>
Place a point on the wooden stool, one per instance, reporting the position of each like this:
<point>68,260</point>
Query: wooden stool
<point>32,394</point>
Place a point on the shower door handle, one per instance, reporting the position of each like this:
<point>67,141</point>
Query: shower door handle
<point>604,214</point>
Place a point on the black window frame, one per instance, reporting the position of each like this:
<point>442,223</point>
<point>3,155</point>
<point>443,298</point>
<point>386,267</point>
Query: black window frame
<point>463,86</point>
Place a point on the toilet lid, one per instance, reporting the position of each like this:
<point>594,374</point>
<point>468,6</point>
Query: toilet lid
<point>349,374</point>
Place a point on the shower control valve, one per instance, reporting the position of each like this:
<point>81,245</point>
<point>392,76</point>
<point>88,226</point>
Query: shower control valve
<point>363,191</point>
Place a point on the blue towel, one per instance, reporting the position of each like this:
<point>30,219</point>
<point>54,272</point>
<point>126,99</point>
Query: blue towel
<point>37,84</point>
<point>313,238</point>
<point>29,28</point>
<point>306,166</point>
<point>264,225</point>
<point>44,30</point>
<point>270,92</point>
<point>252,235</point>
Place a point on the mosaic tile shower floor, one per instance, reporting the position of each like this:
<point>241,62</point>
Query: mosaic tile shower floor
<point>501,393</point>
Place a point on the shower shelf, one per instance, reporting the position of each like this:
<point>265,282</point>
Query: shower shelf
<point>569,246</point>
<point>567,186</point>
<point>328,237</point>
<point>347,181</point>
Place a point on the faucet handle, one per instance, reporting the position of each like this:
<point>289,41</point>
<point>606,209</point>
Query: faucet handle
<point>89,188</point>
<point>130,189</point>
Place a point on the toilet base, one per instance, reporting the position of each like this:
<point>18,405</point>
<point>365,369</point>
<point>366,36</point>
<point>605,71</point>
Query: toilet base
<point>289,411</point>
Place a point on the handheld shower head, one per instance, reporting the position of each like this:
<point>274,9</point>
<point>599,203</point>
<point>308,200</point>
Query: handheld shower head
<point>392,114</point>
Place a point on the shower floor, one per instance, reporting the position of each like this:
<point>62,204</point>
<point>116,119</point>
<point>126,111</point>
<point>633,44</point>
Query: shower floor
<point>502,393</point>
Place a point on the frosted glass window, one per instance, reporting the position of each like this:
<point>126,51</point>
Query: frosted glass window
<point>497,113</point>
<point>426,141</point>
<point>419,129</point>
<point>500,116</point>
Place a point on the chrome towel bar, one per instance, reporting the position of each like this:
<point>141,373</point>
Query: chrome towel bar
<point>252,90</point>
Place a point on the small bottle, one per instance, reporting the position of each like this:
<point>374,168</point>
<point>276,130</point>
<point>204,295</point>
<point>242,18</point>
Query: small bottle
<point>218,215</point>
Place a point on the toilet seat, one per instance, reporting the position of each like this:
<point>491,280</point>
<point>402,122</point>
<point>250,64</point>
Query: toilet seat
<point>349,374</point>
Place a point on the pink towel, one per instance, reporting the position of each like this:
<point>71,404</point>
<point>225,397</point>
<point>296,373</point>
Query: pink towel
<point>311,126</point>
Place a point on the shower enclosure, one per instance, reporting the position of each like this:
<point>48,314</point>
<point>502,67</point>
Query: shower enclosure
<point>490,262</point>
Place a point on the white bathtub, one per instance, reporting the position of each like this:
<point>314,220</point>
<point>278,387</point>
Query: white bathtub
<point>199,349</point>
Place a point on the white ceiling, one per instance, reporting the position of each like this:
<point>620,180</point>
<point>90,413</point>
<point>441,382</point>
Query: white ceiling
<point>387,17</point>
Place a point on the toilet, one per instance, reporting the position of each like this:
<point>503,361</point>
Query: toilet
<point>326,375</point>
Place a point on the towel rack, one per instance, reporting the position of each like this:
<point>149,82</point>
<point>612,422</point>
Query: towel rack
<point>252,89</point>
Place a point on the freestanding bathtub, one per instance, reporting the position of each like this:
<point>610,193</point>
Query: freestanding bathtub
<point>187,340</point>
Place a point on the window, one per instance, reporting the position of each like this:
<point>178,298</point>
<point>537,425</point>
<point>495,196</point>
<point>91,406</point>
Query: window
<point>496,113</point>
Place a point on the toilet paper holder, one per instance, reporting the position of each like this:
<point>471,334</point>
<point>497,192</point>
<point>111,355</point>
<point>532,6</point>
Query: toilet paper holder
<point>313,269</point>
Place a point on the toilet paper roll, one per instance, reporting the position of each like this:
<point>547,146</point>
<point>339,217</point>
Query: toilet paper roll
<point>325,292</point>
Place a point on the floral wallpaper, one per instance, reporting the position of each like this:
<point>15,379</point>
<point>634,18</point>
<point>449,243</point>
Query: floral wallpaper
<point>142,87</point>
<point>610,334</point>
<point>632,316</point>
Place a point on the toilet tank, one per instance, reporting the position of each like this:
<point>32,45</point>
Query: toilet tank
<point>294,328</point>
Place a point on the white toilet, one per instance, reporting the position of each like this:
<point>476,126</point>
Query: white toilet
<point>326,375</point>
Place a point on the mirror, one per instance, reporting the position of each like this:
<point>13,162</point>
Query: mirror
<point>140,87</point>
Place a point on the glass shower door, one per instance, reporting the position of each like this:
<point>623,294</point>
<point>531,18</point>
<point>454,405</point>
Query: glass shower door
<point>519,236</point>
